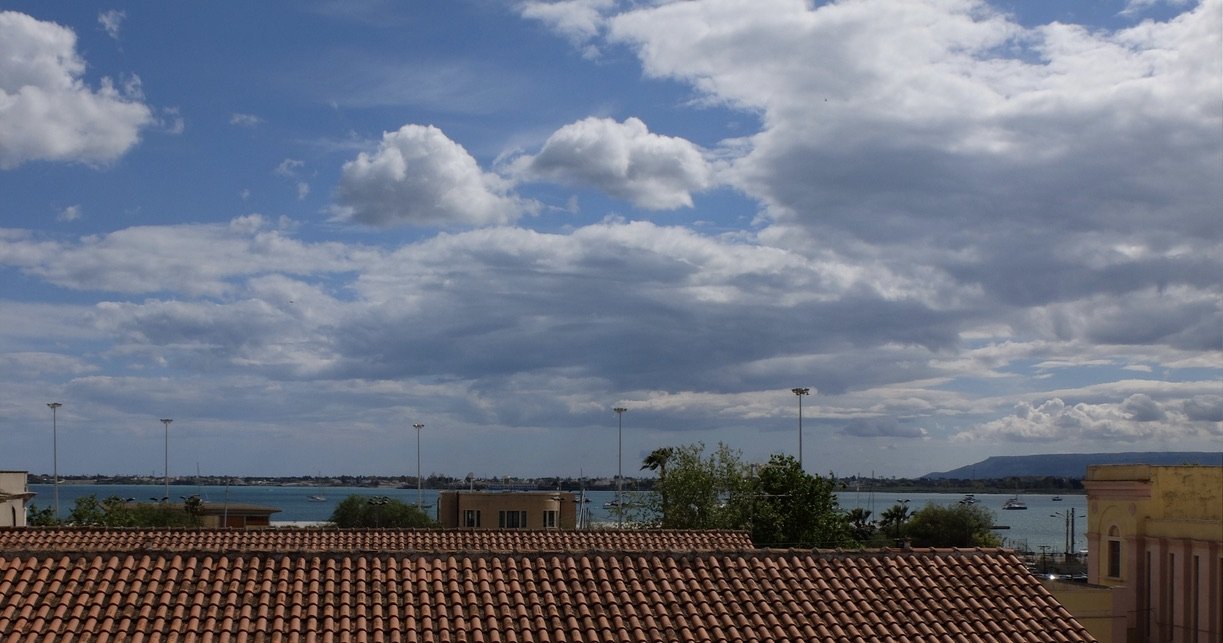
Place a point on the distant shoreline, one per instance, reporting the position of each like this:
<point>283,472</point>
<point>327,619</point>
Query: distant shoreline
<point>1013,485</point>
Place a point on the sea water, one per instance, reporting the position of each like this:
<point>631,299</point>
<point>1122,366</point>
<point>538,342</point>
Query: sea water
<point>1041,525</point>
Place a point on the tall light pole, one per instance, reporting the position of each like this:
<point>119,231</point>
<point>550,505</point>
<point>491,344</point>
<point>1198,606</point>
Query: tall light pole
<point>800,392</point>
<point>418,426</point>
<point>619,410</point>
<point>166,422</point>
<point>55,452</point>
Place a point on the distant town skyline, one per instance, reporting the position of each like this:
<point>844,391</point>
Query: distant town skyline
<point>969,228</point>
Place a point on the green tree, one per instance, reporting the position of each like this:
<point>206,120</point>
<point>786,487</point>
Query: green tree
<point>952,526</point>
<point>162,515</point>
<point>792,508</point>
<point>893,521</point>
<point>117,512</point>
<point>378,511</point>
<point>87,511</point>
<point>778,503</point>
<point>700,492</point>
<point>657,461</point>
<point>44,517</point>
<point>860,524</point>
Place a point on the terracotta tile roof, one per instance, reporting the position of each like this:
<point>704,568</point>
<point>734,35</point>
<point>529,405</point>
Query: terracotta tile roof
<point>364,540</point>
<point>764,595</point>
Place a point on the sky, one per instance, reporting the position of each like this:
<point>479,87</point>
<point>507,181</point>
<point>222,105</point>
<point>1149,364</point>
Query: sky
<point>298,228</point>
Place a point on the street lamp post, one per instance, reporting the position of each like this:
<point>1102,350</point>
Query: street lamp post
<point>619,411</point>
<point>166,422</point>
<point>55,452</point>
<point>418,426</point>
<point>800,392</point>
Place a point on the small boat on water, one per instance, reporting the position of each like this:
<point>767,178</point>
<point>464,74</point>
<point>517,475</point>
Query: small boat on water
<point>1014,503</point>
<point>968,499</point>
<point>316,498</point>
<point>1057,498</point>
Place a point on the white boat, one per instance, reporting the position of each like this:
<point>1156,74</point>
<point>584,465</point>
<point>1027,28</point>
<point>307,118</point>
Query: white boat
<point>1014,503</point>
<point>968,499</point>
<point>317,498</point>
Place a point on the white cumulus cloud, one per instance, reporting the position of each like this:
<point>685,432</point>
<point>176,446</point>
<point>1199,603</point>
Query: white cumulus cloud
<point>47,112</point>
<point>419,176</point>
<point>625,160</point>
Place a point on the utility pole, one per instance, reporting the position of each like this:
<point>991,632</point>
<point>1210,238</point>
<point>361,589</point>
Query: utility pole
<point>418,426</point>
<point>55,452</point>
<point>800,392</point>
<point>166,422</point>
<point>619,411</point>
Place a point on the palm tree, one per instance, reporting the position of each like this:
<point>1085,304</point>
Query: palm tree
<point>657,461</point>
<point>895,517</point>
<point>860,523</point>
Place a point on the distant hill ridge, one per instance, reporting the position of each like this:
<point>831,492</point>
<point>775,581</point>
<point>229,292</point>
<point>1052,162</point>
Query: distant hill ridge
<point>1071,465</point>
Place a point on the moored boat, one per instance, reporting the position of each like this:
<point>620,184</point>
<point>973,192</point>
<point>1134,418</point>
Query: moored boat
<point>1014,503</point>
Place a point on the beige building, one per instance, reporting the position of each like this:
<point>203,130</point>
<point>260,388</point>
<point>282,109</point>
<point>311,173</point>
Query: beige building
<point>235,515</point>
<point>1155,537</point>
<point>13,495</point>
<point>507,510</point>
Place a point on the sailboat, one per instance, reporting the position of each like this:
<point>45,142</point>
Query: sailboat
<point>317,497</point>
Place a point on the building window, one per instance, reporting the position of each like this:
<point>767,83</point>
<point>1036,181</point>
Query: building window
<point>512,519</point>
<point>1114,553</point>
<point>471,518</point>
<point>550,519</point>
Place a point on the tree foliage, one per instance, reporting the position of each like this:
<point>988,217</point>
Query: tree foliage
<point>44,517</point>
<point>778,503</point>
<point>952,526</point>
<point>861,527</point>
<point>893,520</point>
<point>792,508</point>
<point>117,512</point>
<point>378,511</point>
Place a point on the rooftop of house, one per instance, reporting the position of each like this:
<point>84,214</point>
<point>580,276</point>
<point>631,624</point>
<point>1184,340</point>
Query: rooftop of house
<point>85,539</point>
<point>761,595</point>
<point>465,585</point>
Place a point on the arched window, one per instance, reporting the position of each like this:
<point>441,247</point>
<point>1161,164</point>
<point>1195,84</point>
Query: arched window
<point>1114,552</point>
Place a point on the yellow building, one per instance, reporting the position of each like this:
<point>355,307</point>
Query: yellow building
<point>1155,536</point>
<point>507,510</point>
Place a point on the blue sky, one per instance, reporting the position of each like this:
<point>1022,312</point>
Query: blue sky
<point>297,228</point>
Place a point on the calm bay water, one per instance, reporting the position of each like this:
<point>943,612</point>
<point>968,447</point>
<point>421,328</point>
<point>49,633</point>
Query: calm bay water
<point>1029,530</point>
<point>1043,523</point>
